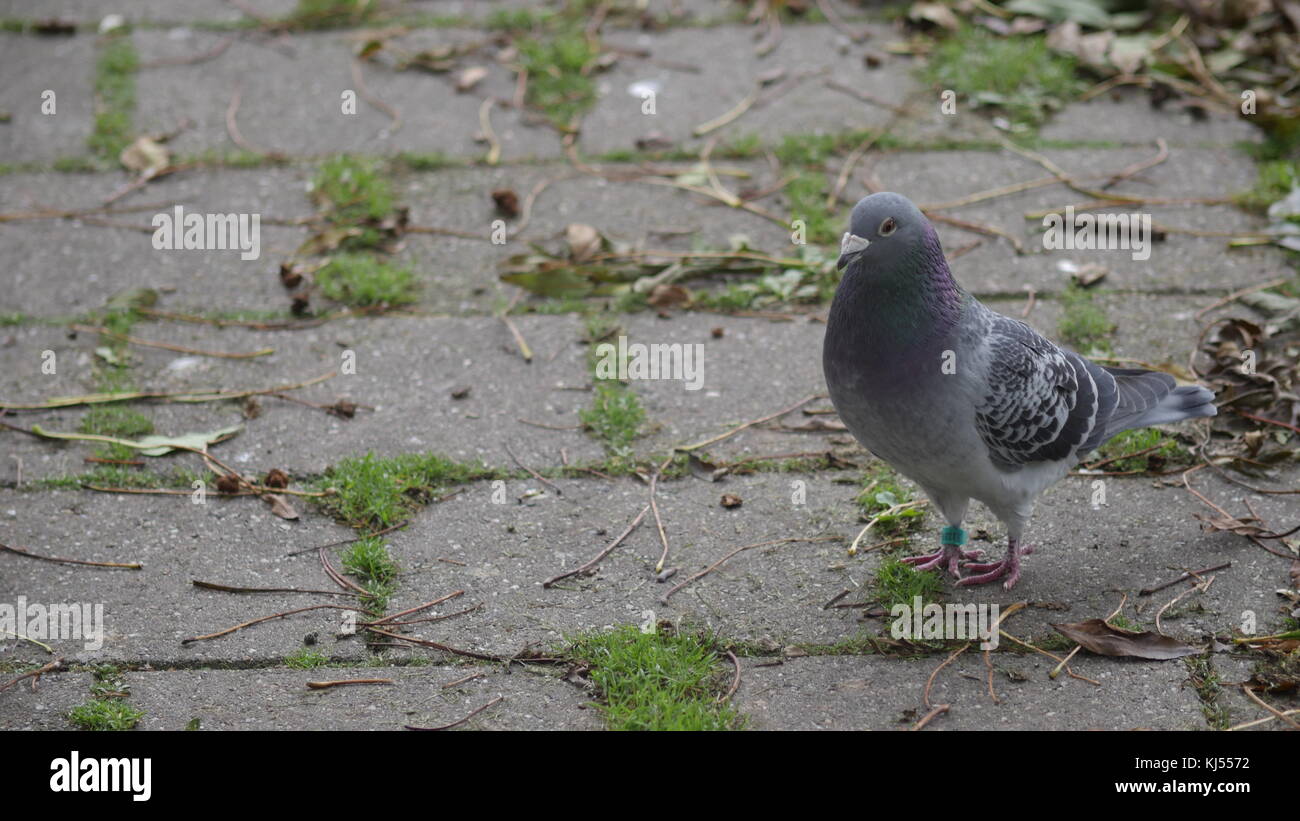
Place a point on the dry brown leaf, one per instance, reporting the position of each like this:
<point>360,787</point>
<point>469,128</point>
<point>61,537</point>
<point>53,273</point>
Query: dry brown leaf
<point>145,157</point>
<point>280,506</point>
<point>666,296</point>
<point>1096,636</point>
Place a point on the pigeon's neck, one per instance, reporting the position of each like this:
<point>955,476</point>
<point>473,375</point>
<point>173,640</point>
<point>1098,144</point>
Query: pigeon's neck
<point>899,314</point>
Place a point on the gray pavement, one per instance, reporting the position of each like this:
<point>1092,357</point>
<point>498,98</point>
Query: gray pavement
<point>803,666</point>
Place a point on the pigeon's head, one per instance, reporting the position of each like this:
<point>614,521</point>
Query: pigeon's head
<point>881,226</point>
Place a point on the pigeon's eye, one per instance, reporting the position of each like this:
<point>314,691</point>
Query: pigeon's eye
<point>888,227</point>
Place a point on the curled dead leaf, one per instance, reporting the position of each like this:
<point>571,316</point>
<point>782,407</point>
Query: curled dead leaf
<point>730,500</point>
<point>280,506</point>
<point>145,157</point>
<point>1096,636</point>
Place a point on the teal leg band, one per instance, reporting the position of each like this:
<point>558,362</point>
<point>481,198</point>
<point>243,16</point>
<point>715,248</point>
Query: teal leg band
<point>954,536</point>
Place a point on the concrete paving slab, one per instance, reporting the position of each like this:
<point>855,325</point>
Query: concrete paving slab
<point>1129,117</point>
<point>686,99</point>
<point>870,693</point>
<point>148,612</point>
<point>291,98</point>
<point>48,706</point>
<point>407,369</point>
<point>32,66</point>
<point>279,699</point>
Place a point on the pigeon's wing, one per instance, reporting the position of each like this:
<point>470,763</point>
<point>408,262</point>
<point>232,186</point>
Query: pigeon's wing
<point>1040,403</point>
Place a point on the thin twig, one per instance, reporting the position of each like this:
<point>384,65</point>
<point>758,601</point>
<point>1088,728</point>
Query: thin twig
<point>134,340</point>
<point>366,95</point>
<point>225,588</point>
<point>485,123</point>
<point>739,109</point>
<point>175,396</point>
<point>232,128</point>
<point>443,647</point>
<point>929,682</point>
<point>325,685</point>
<point>416,609</point>
<point>1202,587</point>
<point>24,552</point>
<point>35,674</point>
<point>706,571</point>
<point>930,716</point>
<point>602,554</point>
<point>1245,688</point>
<point>751,423</point>
<point>654,508</point>
<point>1190,574</point>
<point>735,682</point>
<point>539,477</point>
<point>241,626</point>
<point>341,542</point>
<point>462,721</point>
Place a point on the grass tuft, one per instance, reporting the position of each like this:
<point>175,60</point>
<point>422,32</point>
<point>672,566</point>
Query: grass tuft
<point>1019,76</point>
<point>657,681</point>
<point>363,281</point>
<point>1084,324</point>
<point>372,492</point>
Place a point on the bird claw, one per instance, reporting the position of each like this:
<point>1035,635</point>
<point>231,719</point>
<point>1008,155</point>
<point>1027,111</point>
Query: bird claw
<point>992,571</point>
<point>947,558</point>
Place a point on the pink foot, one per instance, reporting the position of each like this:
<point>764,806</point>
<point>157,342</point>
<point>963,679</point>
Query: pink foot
<point>992,571</point>
<point>949,558</point>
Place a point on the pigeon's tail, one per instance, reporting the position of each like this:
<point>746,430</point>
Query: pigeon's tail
<point>1152,398</point>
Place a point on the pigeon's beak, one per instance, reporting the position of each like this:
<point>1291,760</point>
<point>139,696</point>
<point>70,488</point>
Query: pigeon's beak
<point>850,246</point>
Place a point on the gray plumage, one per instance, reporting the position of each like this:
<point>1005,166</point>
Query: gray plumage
<point>966,402</point>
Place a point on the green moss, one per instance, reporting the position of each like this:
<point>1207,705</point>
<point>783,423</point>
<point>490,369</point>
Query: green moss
<point>76,165</point>
<point>105,714</point>
<point>615,417</point>
<point>815,149</point>
<point>1083,323</point>
<point>521,19</point>
<point>116,421</point>
<point>374,493</point>
<point>306,659</point>
<point>1019,76</point>
<point>657,681</point>
<point>899,583</point>
<point>425,161</point>
<point>558,82</point>
<point>352,189</point>
<point>325,14</point>
<point>115,93</point>
<point>363,281</point>
<point>1167,453</point>
<point>882,489</point>
<point>1274,181</point>
<point>369,559</point>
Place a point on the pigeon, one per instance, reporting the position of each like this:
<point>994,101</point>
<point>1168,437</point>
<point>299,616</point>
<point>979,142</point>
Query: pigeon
<point>965,402</point>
